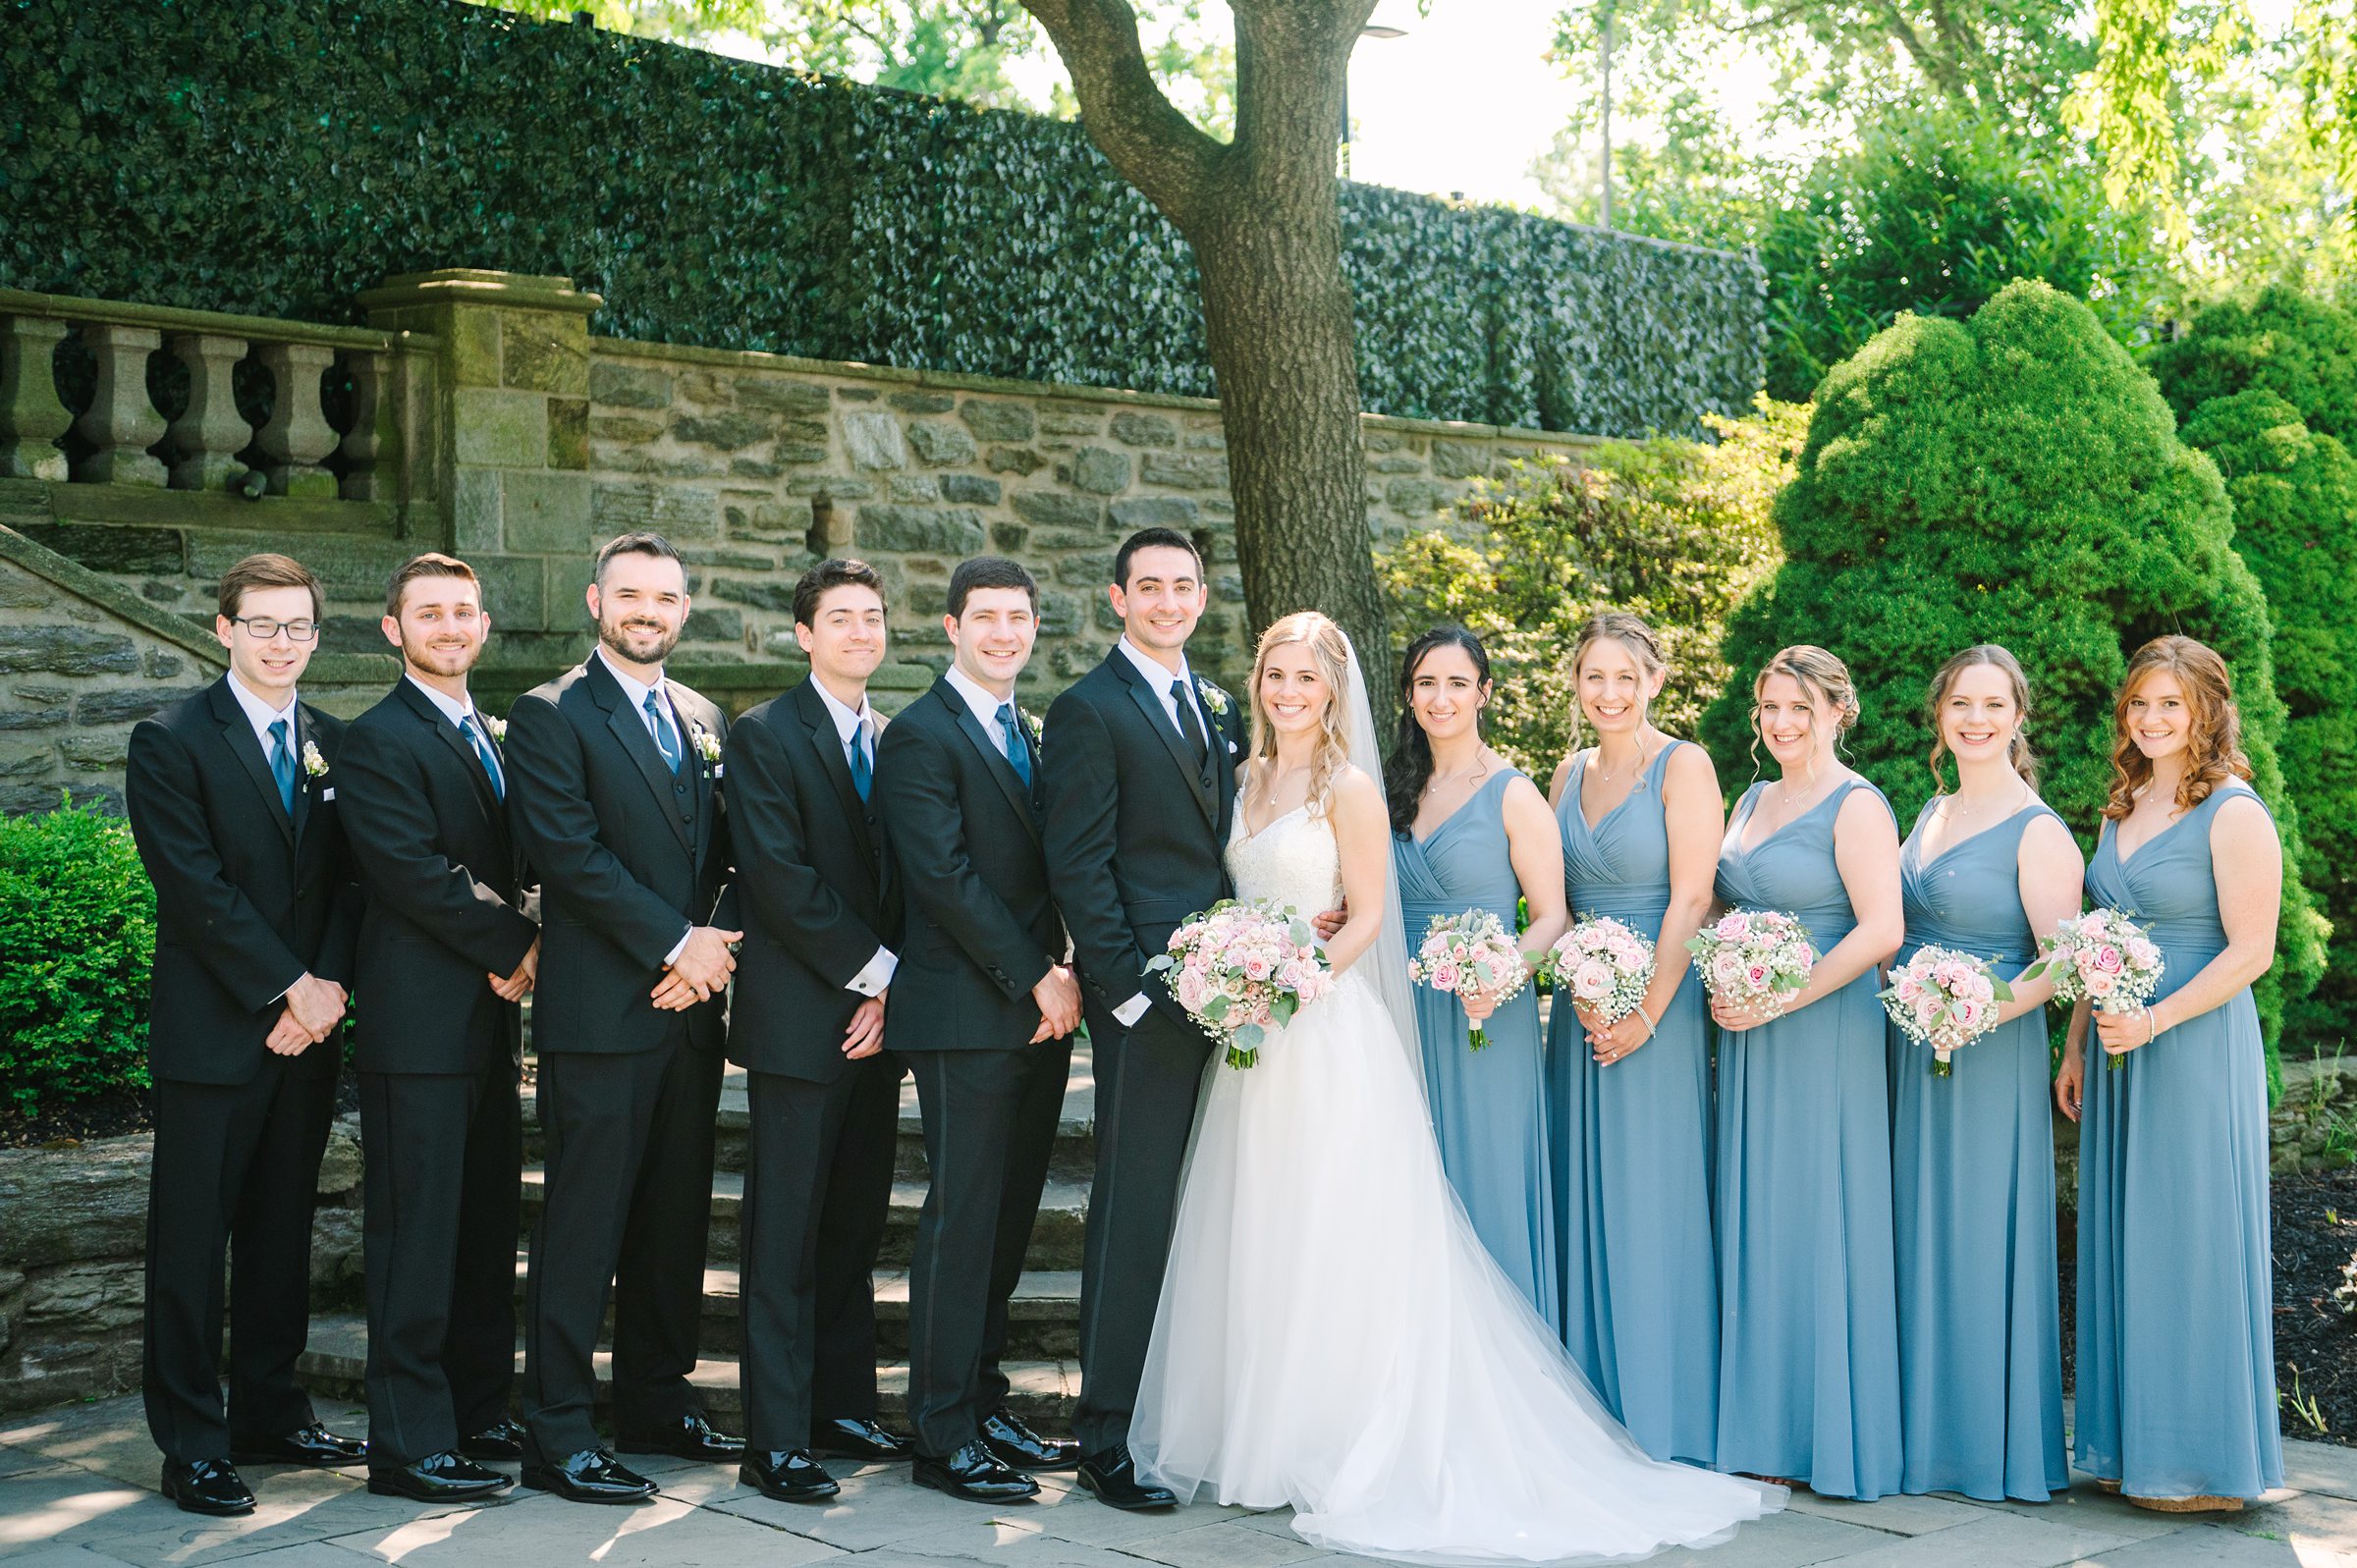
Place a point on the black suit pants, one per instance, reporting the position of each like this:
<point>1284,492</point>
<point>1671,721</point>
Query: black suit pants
<point>1147,1080</point>
<point>990,1122</point>
<point>851,1232</point>
<point>628,1206</point>
<point>236,1167</point>
<point>798,1128</point>
<point>443,1151</point>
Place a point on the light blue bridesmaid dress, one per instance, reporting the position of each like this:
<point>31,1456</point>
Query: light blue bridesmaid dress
<point>1487,1106</point>
<point>1972,1159</point>
<point>1808,1320</point>
<point>2176,1362</point>
<point>1631,1151</point>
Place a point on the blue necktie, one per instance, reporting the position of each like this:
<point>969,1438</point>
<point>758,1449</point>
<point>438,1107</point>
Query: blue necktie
<point>863,772</point>
<point>282,765</point>
<point>483,749</point>
<point>667,740</point>
<point>1019,755</point>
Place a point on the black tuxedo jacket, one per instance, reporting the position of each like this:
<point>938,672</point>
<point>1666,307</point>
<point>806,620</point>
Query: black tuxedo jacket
<point>1135,831</point>
<point>982,924</point>
<point>814,884</point>
<point>445,890</point>
<point>246,899</point>
<point>628,856</point>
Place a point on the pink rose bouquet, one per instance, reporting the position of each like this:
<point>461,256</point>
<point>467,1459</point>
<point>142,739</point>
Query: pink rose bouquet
<point>2103,956</point>
<point>1603,965</point>
<point>1753,958</point>
<point>1472,953</point>
<point>1242,969</point>
<point>1945,1000</point>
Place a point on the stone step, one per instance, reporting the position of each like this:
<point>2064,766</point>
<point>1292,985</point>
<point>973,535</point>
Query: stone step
<point>1044,1393</point>
<point>1056,1235</point>
<point>1043,1314</point>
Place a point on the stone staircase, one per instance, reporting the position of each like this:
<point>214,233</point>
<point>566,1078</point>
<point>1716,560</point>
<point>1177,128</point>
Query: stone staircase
<point>1045,1331</point>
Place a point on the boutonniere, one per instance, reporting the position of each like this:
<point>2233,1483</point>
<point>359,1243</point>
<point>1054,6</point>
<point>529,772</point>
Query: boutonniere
<point>314,764</point>
<point>1212,698</point>
<point>1039,732</point>
<point>707,744</point>
<point>497,729</point>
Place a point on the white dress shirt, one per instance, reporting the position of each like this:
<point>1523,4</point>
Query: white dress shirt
<point>877,973</point>
<point>459,712</point>
<point>1158,679</point>
<point>985,706</point>
<point>636,691</point>
<point>263,716</point>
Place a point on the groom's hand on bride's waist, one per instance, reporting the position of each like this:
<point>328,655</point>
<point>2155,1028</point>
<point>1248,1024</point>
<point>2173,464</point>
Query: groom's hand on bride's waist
<point>1332,921</point>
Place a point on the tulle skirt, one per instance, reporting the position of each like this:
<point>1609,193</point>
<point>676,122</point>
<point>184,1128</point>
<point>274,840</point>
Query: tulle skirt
<point>1333,1336</point>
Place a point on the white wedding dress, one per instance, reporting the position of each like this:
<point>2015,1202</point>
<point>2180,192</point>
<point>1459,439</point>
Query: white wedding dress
<point>1332,1336</point>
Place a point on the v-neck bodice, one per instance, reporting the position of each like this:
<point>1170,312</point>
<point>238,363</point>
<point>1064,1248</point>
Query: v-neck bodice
<point>1465,863</point>
<point>2169,884</point>
<point>1793,868</point>
<point>1968,895</point>
<point>1619,867</point>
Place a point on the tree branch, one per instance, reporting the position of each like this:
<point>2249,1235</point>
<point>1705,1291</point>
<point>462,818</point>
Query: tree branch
<point>1123,109</point>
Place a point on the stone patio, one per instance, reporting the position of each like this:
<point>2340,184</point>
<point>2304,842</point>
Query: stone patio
<point>77,1491</point>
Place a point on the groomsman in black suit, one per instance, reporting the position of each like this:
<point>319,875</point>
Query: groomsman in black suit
<point>983,1011</point>
<point>231,800</point>
<point>613,775</point>
<point>822,915</point>
<point>447,953</point>
<point>1141,791</point>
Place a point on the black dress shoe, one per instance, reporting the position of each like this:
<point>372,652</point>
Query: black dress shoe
<point>206,1486</point>
<point>1112,1476</point>
<point>501,1439</point>
<point>312,1445</point>
<point>791,1476</point>
<point>590,1476</point>
<point>691,1437</point>
<point>853,1439</point>
<point>449,1476</point>
<point>1012,1442</point>
<point>972,1472</point>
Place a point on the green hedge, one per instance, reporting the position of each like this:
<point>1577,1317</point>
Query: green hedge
<point>276,156</point>
<point>76,940</point>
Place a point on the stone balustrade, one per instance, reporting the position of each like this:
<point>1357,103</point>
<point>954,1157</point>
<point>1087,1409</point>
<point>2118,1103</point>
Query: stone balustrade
<point>105,393</point>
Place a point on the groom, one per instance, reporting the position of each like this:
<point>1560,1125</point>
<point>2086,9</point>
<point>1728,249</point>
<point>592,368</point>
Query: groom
<point>1140,787</point>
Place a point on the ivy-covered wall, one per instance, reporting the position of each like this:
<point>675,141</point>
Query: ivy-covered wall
<point>277,156</point>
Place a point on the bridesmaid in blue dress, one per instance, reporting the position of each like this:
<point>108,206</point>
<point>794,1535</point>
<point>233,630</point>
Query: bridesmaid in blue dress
<point>1987,870</point>
<point>2176,1366</point>
<point>1629,1104</point>
<point>1469,832</point>
<point>1808,1383</point>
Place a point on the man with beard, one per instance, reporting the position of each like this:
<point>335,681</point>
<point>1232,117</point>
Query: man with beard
<point>612,775</point>
<point>447,953</point>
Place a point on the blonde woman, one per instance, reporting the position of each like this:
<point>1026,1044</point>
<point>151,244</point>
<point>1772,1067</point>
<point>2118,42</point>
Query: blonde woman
<point>1333,1336</point>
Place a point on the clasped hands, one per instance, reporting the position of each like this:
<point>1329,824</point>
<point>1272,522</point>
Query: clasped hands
<point>702,970</point>
<point>314,1008</point>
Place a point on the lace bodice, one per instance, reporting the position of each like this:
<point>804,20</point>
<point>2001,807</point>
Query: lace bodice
<point>1293,860</point>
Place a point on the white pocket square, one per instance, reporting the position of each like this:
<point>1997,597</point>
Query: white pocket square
<point>329,794</point>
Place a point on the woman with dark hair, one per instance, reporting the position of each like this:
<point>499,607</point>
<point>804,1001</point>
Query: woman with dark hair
<point>2177,1366</point>
<point>1470,832</point>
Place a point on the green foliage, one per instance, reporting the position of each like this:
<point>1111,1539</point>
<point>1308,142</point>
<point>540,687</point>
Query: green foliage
<point>2295,523</point>
<point>76,940</point>
<point>2282,341</point>
<point>2013,479</point>
<point>1675,530</point>
<point>274,157</point>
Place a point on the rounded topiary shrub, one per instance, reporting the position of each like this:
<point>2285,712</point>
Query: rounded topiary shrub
<point>2295,522</point>
<point>2013,478</point>
<point>76,940</point>
<point>2279,341</point>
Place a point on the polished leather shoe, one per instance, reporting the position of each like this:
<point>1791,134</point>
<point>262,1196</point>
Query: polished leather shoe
<point>1012,1443</point>
<point>1112,1476</point>
<point>853,1439</point>
<point>791,1476</point>
<point>206,1486</point>
<point>448,1477</point>
<point>590,1476</point>
<point>312,1445</point>
<point>501,1439</point>
<point>974,1474</point>
<point>691,1437</point>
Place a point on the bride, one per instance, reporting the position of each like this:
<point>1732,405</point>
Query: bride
<point>1332,1334</point>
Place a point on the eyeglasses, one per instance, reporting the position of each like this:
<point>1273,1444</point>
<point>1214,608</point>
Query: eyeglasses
<point>264,629</point>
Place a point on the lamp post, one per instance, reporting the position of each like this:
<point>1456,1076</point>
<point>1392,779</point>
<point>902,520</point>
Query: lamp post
<point>1369,31</point>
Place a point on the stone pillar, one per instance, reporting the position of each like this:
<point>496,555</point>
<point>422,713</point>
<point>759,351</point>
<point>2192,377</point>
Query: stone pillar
<point>297,438</point>
<point>208,436</point>
<point>367,442</point>
<point>31,414</point>
<point>122,422</point>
